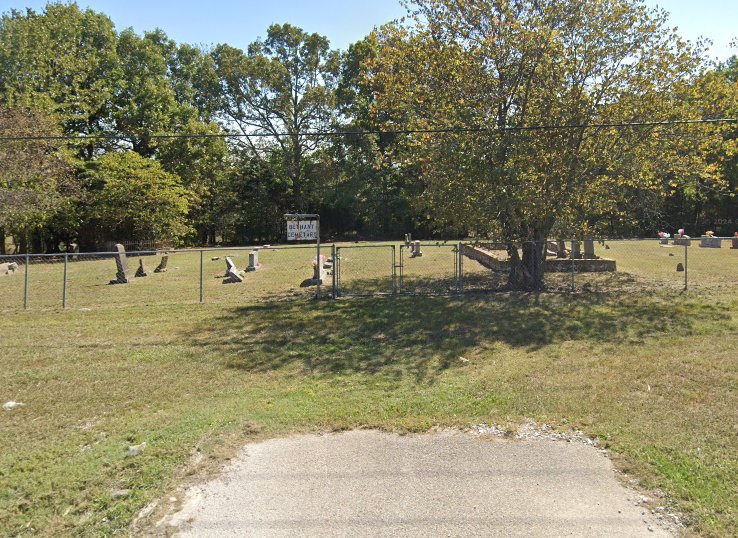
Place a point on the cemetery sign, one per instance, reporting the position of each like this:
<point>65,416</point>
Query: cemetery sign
<point>302,229</point>
<point>306,227</point>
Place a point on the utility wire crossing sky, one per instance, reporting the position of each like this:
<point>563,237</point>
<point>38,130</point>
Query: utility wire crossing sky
<point>450,130</point>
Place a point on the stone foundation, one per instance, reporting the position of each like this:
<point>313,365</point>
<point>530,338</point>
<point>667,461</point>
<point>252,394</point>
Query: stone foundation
<point>600,265</point>
<point>552,265</point>
<point>486,258</point>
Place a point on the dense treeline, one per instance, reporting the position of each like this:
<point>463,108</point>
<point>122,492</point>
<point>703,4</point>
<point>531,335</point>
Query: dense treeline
<point>287,99</point>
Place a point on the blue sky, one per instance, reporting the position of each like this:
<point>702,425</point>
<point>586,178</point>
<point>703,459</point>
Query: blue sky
<point>343,21</point>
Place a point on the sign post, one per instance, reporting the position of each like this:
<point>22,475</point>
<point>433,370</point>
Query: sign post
<point>305,227</point>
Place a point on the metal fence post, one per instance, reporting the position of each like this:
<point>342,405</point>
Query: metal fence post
<point>202,291</point>
<point>456,269</point>
<point>402,267</point>
<point>461,268</point>
<point>25,282</point>
<point>686,266</point>
<point>573,268</point>
<point>320,267</point>
<point>64,293</point>
<point>335,269</point>
<point>394,271</point>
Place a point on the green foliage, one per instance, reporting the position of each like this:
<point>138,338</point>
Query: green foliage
<point>35,176</point>
<point>144,101</point>
<point>203,164</point>
<point>507,66</point>
<point>375,188</point>
<point>470,63</point>
<point>133,197</point>
<point>283,87</point>
<point>63,61</point>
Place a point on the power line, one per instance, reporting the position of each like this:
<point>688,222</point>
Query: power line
<point>323,134</point>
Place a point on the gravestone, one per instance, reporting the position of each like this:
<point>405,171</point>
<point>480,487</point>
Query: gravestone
<point>162,267</point>
<point>74,247</point>
<point>576,253</point>
<point>552,248</point>
<point>230,266</point>
<point>141,271</point>
<point>707,241</point>
<point>8,268</point>
<point>233,275</point>
<point>415,251</point>
<point>589,249</point>
<point>122,276</point>
<point>253,261</point>
<point>734,243</point>
<point>680,267</point>
<point>328,265</point>
<point>408,239</point>
<point>561,250</point>
<point>320,271</point>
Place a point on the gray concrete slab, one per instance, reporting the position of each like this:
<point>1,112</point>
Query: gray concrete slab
<point>368,483</point>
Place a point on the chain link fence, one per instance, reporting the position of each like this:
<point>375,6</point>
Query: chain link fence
<point>366,270</point>
<point>608,265</point>
<point>430,268</point>
<point>293,272</point>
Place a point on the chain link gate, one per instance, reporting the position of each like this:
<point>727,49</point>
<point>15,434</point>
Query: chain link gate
<point>365,270</point>
<point>430,269</point>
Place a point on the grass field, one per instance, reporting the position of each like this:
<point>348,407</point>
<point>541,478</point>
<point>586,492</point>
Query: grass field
<point>649,370</point>
<point>365,269</point>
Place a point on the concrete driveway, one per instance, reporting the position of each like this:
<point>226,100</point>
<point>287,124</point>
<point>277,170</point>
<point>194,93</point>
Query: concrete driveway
<point>368,483</point>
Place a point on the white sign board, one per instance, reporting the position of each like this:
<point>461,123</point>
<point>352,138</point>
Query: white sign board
<point>302,230</point>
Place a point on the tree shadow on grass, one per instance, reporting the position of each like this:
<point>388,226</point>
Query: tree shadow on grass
<point>421,336</point>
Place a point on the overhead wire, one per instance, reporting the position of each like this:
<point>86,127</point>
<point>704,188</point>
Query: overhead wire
<point>360,132</point>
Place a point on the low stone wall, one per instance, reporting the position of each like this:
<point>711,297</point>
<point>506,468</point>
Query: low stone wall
<point>486,258</point>
<point>552,265</point>
<point>564,265</point>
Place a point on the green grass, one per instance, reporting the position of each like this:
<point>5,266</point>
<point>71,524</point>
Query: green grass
<point>364,270</point>
<point>649,370</point>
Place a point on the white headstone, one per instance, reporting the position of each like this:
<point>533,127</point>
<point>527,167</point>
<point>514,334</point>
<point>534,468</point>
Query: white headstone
<point>253,261</point>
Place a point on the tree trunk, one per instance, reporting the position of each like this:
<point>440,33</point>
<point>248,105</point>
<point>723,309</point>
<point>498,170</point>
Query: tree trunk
<point>526,273</point>
<point>22,242</point>
<point>297,173</point>
<point>2,241</point>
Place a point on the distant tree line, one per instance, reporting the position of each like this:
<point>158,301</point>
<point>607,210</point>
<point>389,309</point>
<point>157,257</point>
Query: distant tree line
<point>347,134</point>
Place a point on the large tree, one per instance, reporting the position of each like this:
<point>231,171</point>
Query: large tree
<point>283,88</point>
<point>509,65</point>
<point>374,190</point>
<point>36,183</point>
<point>62,61</point>
<point>203,163</point>
<point>133,197</point>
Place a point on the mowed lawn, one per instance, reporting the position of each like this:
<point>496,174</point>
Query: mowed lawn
<point>649,370</point>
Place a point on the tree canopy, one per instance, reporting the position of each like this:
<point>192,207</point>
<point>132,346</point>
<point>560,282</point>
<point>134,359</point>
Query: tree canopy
<point>497,118</point>
<point>514,67</point>
<point>136,198</point>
